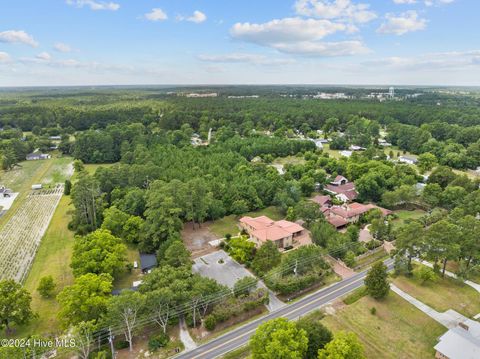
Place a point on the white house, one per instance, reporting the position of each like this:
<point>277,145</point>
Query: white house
<point>408,160</point>
<point>345,153</point>
<point>460,342</point>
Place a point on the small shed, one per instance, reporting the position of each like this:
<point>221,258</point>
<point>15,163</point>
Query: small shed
<point>37,186</point>
<point>147,262</point>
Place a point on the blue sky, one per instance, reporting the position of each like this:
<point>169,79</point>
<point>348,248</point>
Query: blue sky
<point>93,42</point>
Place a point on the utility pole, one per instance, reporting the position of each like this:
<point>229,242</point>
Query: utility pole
<point>296,265</point>
<point>110,339</point>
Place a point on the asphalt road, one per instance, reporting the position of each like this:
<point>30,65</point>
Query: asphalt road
<point>240,336</point>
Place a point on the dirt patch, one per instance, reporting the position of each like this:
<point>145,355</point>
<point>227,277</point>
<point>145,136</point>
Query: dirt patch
<point>201,333</point>
<point>140,345</point>
<point>197,239</point>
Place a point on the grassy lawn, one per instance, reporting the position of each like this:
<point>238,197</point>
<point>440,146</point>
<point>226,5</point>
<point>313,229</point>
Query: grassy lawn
<point>92,167</point>
<point>404,215</point>
<point>453,267</point>
<point>397,330</point>
<point>240,353</point>
<point>446,293</point>
<point>293,160</point>
<point>229,224</point>
<point>128,278</point>
<point>53,258</point>
<point>60,171</point>
<point>332,153</point>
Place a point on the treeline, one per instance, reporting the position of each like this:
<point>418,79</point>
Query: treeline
<point>451,145</point>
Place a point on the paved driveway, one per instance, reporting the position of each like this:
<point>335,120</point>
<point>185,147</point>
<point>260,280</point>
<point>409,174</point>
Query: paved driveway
<point>226,273</point>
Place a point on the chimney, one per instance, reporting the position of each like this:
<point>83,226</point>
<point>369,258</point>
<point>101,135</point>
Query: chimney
<point>463,326</point>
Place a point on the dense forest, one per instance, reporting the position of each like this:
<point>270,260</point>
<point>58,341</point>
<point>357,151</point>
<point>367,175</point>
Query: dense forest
<point>174,159</point>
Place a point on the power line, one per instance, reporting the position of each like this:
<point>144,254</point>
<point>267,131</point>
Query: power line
<point>212,299</point>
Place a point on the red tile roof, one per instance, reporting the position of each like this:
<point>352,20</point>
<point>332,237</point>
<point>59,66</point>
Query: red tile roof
<point>337,221</point>
<point>266,229</point>
<point>257,222</point>
<point>321,200</point>
<point>340,189</point>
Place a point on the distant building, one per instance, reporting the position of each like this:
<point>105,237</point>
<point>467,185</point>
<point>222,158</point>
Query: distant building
<point>391,92</point>
<point>339,181</point>
<point>55,138</point>
<point>383,142</point>
<point>282,233</point>
<point>356,148</point>
<point>342,189</point>
<point>460,342</point>
<point>340,216</point>
<point>345,153</point>
<point>408,160</point>
<point>318,142</point>
<point>38,156</point>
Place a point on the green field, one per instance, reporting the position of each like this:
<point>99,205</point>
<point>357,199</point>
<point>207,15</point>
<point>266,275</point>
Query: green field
<point>445,293</point>
<point>294,160</point>
<point>92,167</point>
<point>397,330</point>
<point>53,258</point>
<point>21,178</point>
<point>229,224</point>
<point>404,215</point>
<point>127,279</point>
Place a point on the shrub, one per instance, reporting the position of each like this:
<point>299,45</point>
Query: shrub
<point>349,259</point>
<point>121,344</point>
<point>355,295</point>
<point>373,310</point>
<point>189,320</point>
<point>228,236</point>
<point>210,322</point>
<point>244,286</point>
<point>46,286</point>
<point>426,274</point>
<point>158,341</point>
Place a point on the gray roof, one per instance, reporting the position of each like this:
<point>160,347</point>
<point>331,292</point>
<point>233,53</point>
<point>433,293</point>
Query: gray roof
<point>147,261</point>
<point>459,343</point>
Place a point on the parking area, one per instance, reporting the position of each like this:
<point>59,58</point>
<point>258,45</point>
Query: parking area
<point>219,266</point>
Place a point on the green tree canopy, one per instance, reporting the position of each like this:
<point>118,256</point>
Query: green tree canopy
<point>14,304</point>
<point>377,282</point>
<point>279,339</point>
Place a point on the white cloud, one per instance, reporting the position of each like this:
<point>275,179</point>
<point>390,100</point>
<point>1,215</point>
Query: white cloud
<point>4,57</point>
<point>197,17</point>
<point>310,48</point>
<point>94,5</point>
<point>437,2</point>
<point>454,60</point>
<point>255,59</point>
<point>17,36</point>
<point>287,30</point>
<point>299,36</point>
<point>408,21</point>
<point>405,1</point>
<point>156,14</point>
<point>44,56</point>
<point>61,47</point>
<point>336,9</point>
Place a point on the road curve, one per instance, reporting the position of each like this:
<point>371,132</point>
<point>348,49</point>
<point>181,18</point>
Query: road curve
<point>241,335</point>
